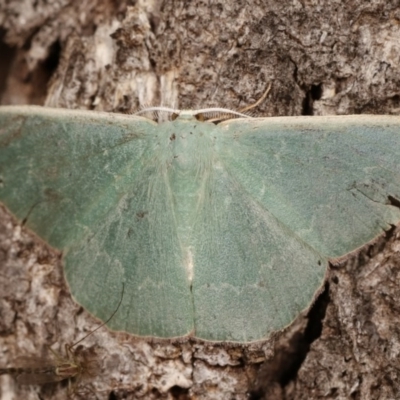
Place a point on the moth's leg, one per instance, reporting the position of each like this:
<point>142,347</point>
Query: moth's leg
<point>259,101</point>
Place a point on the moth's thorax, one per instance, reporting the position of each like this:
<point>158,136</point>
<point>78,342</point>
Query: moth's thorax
<point>190,142</point>
<point>190,150</point>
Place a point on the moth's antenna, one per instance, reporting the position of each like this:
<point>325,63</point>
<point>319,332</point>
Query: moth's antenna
<point>151,109</point>
<point>217,110</point>
<point>158,113</point>
<point>104,323</point>
<point>224,112</point>
<point>242,110</point>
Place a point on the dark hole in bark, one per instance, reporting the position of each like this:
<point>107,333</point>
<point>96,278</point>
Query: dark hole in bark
<point>313,94</point>
<point>7,56</point>
<point>179,393</point>
<point>43,73</point>
<point>283,368</point>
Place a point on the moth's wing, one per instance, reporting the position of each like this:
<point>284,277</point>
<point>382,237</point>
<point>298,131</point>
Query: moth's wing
<point>286,195</point>
<point>38,377</point>
<point>32,362</point>
<point>334,181</point>
<point>31,370</point>
<point>93,185</point>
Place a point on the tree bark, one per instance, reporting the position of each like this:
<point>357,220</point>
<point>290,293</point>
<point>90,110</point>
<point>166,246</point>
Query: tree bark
<point>322,58</point>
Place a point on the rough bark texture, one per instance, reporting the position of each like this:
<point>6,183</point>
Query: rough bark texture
<point>322,58</point>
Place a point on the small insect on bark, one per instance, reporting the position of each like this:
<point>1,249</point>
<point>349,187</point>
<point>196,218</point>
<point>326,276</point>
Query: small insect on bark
<point>71,365</point>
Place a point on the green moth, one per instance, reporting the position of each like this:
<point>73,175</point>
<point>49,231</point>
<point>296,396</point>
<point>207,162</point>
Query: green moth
<point>222,232</point>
